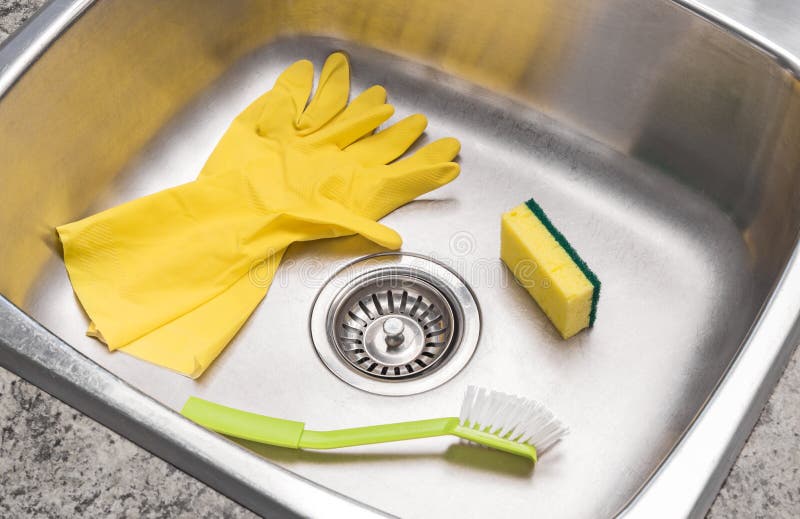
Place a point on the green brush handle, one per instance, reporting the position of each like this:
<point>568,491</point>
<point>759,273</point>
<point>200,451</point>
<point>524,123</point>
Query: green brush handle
<point>287,433</point>
<point>244,425</point>
<point>410,431</point>
<point>378,433</point>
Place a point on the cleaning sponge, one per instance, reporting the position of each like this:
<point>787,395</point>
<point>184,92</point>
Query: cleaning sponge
<point>544,262</point>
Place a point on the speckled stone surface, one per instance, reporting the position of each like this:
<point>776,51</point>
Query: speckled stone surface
<point>56,462</point>
<point>14,12</point>
<point>765,481</point>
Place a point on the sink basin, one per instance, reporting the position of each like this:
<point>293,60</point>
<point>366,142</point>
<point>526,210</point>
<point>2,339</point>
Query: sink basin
<point>661,137</point>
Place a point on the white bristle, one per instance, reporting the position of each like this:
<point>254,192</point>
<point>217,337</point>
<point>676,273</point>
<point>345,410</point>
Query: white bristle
<point>466,405</point>
<point>511,417</point>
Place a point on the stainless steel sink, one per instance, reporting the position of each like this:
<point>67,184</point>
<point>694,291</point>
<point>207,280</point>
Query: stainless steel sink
<point>663,139</point>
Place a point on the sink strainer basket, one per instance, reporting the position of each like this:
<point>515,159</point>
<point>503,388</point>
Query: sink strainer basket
<point>395,324</point>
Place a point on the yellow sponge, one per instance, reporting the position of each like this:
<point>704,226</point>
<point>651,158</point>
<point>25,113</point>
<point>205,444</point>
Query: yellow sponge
<point>545,264</point>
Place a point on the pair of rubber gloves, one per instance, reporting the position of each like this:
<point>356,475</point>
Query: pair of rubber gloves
<point>167,277</point>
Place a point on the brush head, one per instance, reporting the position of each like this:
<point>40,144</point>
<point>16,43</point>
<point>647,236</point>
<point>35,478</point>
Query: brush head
<point>510,418</point>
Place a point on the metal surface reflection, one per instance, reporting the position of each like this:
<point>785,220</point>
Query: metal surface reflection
<point>665,146</point>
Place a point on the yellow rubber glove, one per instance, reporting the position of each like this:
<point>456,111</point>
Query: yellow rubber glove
<point>332,209</point>
<point>190,343</point>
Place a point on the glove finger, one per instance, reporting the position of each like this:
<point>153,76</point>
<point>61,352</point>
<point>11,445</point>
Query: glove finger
<point>330,97</point>
<point>280,107</point>
<point>387,145</point>
<point>443,150</point>
<point>373,231</point>
<point>342,221</point>
<point>345,132</point>
<point>370,98</point>
<point>400,187</point>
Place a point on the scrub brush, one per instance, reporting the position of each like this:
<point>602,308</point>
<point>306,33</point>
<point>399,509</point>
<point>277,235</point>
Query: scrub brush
<point>504,422</point>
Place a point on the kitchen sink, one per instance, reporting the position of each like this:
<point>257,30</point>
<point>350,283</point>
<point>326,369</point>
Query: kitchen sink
<point>663,139</point>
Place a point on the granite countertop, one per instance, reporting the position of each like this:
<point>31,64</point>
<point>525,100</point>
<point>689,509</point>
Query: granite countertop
<point>56,462</point>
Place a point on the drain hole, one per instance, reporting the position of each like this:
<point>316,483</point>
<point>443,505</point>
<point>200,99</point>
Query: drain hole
<point>357,318</point>
<point>425,313</point>
<point>403,300</point>
<point>432,321</point>
<point>390,300</point>
<point>377,304</point>
<point>436,333</point>
<point>366,310</point>
<point>415,307</point>
<point>352,329</point>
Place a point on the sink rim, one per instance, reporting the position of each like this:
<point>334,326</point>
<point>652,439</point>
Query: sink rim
<point>697,464</point>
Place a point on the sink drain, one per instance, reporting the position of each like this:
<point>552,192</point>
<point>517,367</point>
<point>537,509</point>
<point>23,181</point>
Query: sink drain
<point>395,324</point>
